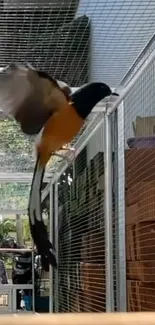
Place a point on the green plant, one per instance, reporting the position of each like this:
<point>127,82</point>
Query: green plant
<point>6,227</point>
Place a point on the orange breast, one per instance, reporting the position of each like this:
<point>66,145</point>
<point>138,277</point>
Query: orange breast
<point>59,130</point>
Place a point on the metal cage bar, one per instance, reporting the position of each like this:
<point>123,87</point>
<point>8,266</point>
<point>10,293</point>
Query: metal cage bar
<point>120,241</point>
<point>56,244</point>
<point>51,225</point>
<point>108,214</point>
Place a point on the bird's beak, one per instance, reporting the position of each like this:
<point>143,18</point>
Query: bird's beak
<point>114,94</point>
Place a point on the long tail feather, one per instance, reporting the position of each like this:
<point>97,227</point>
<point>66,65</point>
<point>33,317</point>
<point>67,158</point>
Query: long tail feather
<point>37,226</point>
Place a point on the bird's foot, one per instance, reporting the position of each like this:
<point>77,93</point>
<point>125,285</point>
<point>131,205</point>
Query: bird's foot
<point>68,148</point>
<point>71,152</point>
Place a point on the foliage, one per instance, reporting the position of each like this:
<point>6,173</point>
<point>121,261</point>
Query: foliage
<point>14,196</point>
<point>15,148</point>
<point>6,227</point>
<point>15,156</point>
<point>19,141</point>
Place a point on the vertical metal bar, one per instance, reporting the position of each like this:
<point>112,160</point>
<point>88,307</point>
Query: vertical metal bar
<point>74,174</point>
<point>115,173</point>
<point>13,296</point>
<point>56,224</point>
<point>33,279</point>
<point>121,243</point>
<point>108,214</point>
<point>51,240</point>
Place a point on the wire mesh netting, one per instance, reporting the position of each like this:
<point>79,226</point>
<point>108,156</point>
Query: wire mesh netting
<point>81,237</point>
<point>55,36</point>
<point>139,130</point>
<point>80,41</point>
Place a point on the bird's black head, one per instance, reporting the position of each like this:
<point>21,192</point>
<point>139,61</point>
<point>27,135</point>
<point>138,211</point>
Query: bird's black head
<point>87,96</point>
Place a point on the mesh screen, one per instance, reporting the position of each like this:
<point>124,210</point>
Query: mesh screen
<point>49,37</point>
<point>82,236</point>
<point>55,36</point>
<point>139,150</point>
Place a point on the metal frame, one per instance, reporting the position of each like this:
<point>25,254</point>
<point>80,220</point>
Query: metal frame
<point>33,279</point>
<point>120,241</point>
<point>25,178</point>
<point>51,225</point>
<point>6,292</point>
<point>14,212</point>
<point>56,245</point>
<point>10,290</point>
<point>108,213</point>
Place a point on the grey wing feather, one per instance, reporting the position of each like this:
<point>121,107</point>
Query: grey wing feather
<point>29,98</point>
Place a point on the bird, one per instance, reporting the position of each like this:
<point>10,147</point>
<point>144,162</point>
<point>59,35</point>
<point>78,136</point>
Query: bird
<point>59,130</point>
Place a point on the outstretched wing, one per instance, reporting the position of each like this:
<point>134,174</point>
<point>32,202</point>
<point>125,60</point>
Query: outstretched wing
<point>30,96</point>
